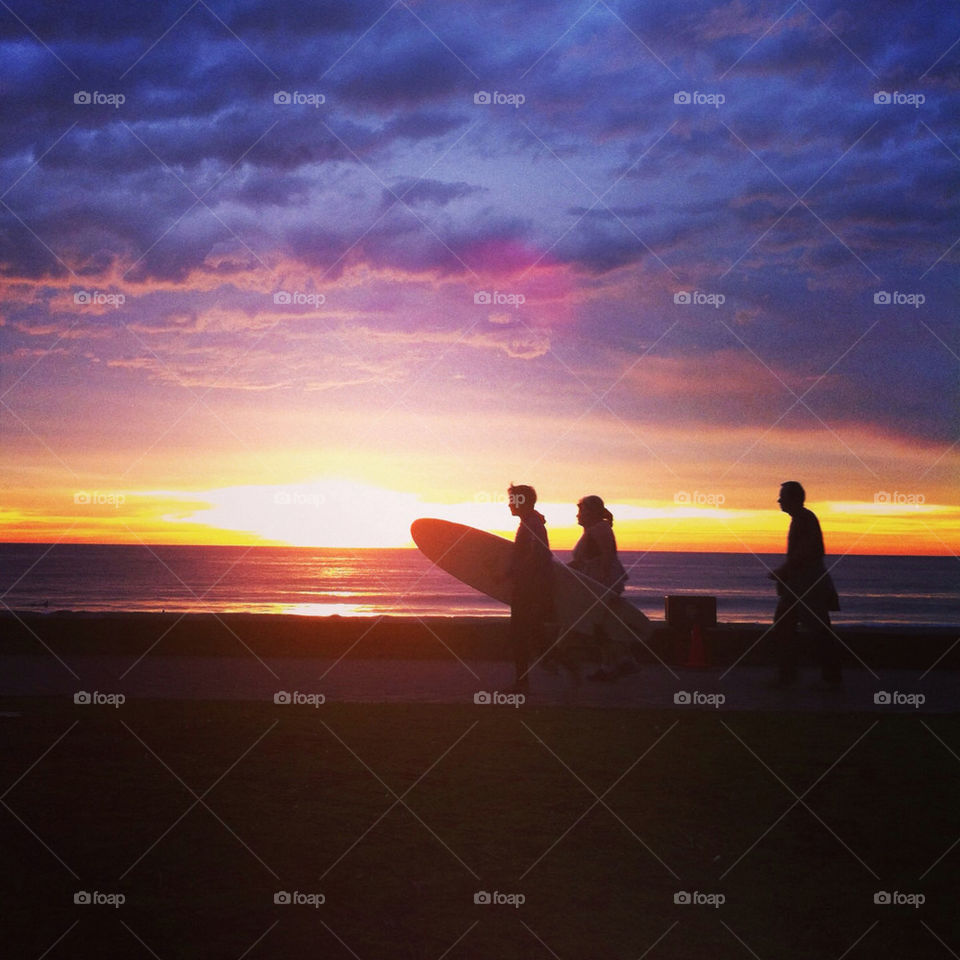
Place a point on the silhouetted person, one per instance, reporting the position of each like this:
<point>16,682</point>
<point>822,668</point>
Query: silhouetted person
<point>596,556</point>
<point>805,593</point>
<point>531,573</point>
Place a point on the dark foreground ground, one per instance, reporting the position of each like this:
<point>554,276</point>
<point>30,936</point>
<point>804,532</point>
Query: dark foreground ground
<point>781,829</point>
<point>178,823</point>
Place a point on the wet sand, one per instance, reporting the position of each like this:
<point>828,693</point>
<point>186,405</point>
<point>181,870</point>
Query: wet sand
<point>443,660</point>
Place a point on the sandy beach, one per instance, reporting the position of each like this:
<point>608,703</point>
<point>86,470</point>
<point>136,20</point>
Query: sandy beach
<point>421,638</point>
<point>283,786</point>
<point>197,828</point>
<point>443,660</point>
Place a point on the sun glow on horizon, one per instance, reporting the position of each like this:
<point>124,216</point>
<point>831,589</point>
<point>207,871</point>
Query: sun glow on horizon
<point>341,512</point>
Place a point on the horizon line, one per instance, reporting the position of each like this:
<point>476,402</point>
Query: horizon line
<point>413,547</point>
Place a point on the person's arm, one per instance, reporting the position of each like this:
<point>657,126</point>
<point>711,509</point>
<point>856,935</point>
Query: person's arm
<point>810,549</point>
<point>781,573</point>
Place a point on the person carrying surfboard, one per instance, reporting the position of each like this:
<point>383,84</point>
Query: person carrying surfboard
<point>531,575</point>
<point>596,556</point>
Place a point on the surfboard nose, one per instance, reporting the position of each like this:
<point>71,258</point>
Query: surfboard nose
<point>436,538</point>
<point>418,529</point>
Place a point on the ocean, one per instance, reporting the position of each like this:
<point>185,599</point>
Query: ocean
<point>891,590</point>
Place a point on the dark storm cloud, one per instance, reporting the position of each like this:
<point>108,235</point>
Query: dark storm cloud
<point>427,192</point>
<point>797,193</point>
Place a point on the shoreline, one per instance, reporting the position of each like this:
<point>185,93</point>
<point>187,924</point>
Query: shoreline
<point>422,638</point>
<point>880,626</point>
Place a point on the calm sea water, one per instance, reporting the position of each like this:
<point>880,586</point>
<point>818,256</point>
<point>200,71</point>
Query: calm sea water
<point>878,590</point>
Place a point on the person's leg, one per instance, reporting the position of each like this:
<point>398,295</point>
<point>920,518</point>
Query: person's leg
<point>626,661</point>
<point>828,650</point>
<point>549,658</point>
<point>600,652</point>
<point>619,660</point>
<point>519,640</point>
<point>614,655</point>
<point>544,631</point>
<point>784,634</point>
<point>543,647</point>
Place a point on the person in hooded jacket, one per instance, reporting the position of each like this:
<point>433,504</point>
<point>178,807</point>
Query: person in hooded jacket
<point>531,575</point>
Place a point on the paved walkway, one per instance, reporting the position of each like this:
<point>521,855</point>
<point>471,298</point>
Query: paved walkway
<point>450,681</point>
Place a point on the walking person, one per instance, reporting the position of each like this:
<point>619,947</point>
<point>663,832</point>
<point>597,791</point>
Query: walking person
<point>531,574</point>
<point>595,555</point>
<point>805,593</point>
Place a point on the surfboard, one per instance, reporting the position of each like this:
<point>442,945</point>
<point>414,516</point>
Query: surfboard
<point>481,559</point>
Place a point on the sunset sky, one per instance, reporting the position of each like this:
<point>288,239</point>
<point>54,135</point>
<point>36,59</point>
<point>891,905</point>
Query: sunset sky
<point>301,272</point>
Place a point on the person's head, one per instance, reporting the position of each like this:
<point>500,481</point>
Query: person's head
<point>521,499</point>
<point>792,496</point>
<point>590,510</point>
